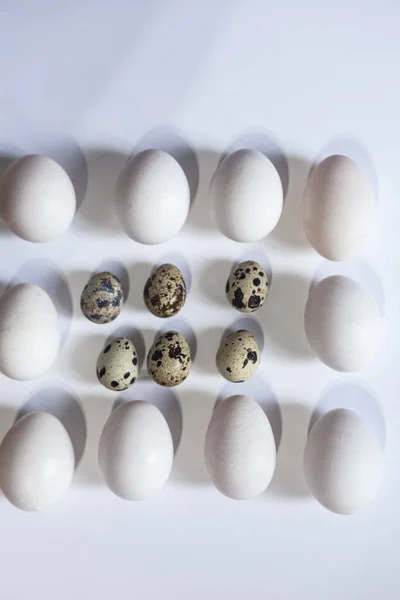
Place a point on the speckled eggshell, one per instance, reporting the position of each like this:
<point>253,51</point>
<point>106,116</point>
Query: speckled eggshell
<point>238,356</point>
<point>247,287</point>
<point>169,361</point>
<point>102,298</point>
<point>165,291</point>
<point>117,365</point>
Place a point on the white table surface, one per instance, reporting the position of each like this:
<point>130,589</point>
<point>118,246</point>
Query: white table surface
<point>91,82</point>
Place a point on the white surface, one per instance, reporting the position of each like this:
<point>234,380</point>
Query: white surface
<point>343,462</point>
<point>90,82</point>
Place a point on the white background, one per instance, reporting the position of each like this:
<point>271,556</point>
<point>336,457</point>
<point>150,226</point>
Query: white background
<point>91,82</point>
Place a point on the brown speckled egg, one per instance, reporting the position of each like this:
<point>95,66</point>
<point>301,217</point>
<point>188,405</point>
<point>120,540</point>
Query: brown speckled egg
<point>102,298</point>
<point>238,356</point>
<point>169,361</point>
<point>247,287</point>
<point>165,291</point>
<point>117,365</point>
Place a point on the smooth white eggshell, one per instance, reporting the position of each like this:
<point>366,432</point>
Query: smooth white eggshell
<point>343,462</point>
<point>343,324</point>
<point>247,194</point>
<point>36,462</point>
<point>37,198</point>
<point>29,332</point>
<point>136,451</point>
<point>153,197</point>
<point>339,210</point>
<point>240,452</point>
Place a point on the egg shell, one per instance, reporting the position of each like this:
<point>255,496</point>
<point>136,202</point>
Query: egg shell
<point>238,356</point>
<point>247,194</point>
<point>343,324</point>
<point>240,452</point>
<point>117,365</point>
<point>29,332</point>
<point>169,360</point>
<point>339,209</point>
<point>165,291</point>
<point>37,198</point>
<point>247,287</point>
<point>343,462</point>
<point>102,298</point>
<point>136,451</point>
<point>36,462</point>
<point>153,197</point>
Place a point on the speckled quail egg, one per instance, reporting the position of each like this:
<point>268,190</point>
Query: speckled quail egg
<point>247,287</point>
<point>117,365</point>
<point>102,298</point>
<point>165,291</point>
<point>168,361</point>
<point>238,356</point>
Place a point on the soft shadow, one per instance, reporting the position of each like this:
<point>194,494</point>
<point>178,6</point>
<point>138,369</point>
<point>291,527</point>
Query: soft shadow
<point>250,324</point>
<point>7,419</point>
<point>201,216</point>
<point>212,281</point>
<point>166,400</point>
<point>257,254</point>
<point>197,408</point>
<point>267,144</point>
<point>355,149</point>
<point>46,273</point>
<point>182,327</point>
<point>6,160</point>
<point>134,335</point>
<point>289,230</point>
<point>77,281</point>
<point>84,357</point>
<point>258,390</point>
<point>178,260</point>
<point>67,153</point>
<point>359,270</point>
<point>139,274</point>
<point>283,316</point>
<point>172,140</point>
<point>288,479</point>
<point>209,341</point>
<point>117,268</point>
<point>97,409</point>
<point>62,403</point>
<point>353,395</point>
<point>98,212</point>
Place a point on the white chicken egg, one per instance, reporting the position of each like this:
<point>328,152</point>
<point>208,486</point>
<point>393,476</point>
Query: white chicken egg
<point>136,450</point>
<point>153,197</point>
<point>339,209</point>
<point>343,462</point>
<point>246,192</point>
<point>343,324</point>
<point>240,452</point>
<point>36,462</point>
<point>37,198</point>
<point>29,332</point>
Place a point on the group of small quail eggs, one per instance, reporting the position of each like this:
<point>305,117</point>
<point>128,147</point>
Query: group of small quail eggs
<point>169,359</point>
<point>246,290</point>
